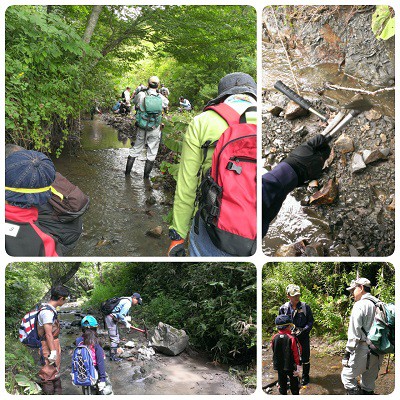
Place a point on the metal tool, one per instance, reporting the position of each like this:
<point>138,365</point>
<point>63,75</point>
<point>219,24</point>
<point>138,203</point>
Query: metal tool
<point>339,116</point>
<point>301,101</point>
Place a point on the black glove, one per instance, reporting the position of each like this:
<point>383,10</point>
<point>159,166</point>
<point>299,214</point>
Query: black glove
<point>308,159</point>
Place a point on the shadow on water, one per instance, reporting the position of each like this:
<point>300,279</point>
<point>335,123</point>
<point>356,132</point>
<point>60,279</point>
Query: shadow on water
<point>116,222</point>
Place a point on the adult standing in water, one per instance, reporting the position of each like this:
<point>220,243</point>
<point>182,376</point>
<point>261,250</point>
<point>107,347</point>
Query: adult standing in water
<point>149,106</point>
<point>302,318</point>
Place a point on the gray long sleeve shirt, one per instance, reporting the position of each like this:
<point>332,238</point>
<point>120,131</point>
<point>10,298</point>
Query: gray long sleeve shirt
<point>362,316</point>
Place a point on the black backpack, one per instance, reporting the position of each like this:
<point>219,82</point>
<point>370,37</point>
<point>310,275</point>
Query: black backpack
<point>109,305</point>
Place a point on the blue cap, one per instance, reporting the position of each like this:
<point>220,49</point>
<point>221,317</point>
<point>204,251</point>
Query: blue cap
<point>137,297</point>
<point>281,320</point>
<point>89,321</point>
<point>28,169</point>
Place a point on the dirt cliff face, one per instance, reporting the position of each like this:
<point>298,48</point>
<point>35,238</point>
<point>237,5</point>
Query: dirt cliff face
<point>334,34</point>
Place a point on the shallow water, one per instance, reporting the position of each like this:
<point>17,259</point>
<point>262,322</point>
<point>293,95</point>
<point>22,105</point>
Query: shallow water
<point>116,222</point>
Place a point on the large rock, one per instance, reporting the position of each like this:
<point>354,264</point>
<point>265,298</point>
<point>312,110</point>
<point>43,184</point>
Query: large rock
<point>292,250</point>
<point>169,340</point>
<point>293,111</point>
<point>344,144</point>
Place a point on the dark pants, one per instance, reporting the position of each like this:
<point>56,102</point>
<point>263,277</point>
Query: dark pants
<point>283,377</point>
<point>305,348</point>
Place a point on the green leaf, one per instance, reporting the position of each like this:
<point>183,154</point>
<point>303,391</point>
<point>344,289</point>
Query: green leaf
<point>379,18</point>
<point>388,30</point>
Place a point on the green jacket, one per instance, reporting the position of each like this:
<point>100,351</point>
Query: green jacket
<point>205,126</point>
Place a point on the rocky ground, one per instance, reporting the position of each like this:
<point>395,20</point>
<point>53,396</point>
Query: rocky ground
<point>361,208</point>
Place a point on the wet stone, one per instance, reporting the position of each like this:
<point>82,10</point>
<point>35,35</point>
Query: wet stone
<point>315,249</point>
<point>374,155</point>
<point>326,195</point>
<point>357,163</point>
<point>373,115</point>
<point>293,111</point>
<point>273,109</point>
<point>344,144</point>
<point>155,232</point>
<point>292,250</point>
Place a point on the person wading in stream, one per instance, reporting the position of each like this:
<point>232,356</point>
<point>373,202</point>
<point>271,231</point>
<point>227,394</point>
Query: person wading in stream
<point>236,99</point>
<point>48,329</point>
<point>359,360</point>
<point>149,107</point>
<point>303,164</point>
<point>287,355</point>
<point>302,319</point>
<point>118,315</point>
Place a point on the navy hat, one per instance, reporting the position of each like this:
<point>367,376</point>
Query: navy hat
<point>137,297</point>
<point>27,170</point>
<point>281,320</point>
<point>235,83</point>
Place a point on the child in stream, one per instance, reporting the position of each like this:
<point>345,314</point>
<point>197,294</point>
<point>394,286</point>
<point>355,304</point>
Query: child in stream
<point>90,340</point>
<point>287,355</point>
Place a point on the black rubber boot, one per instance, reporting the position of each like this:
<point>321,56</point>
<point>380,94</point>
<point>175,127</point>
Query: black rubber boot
<point>147,169</point>
<point>352,391</point>
<point>129,165</point>
<point>305,377</point>
<point>366,392</point>
<point>113,356</point>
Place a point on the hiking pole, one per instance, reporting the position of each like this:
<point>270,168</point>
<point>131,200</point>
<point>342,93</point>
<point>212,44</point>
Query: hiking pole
<point>301,101</point>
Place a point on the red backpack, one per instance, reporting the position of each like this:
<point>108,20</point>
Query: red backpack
<point>227,194</point>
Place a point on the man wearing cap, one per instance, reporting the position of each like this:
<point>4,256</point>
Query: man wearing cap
<point>149,135</point>
<point>28,180</point>
<point>118,315</point>
<point>239,91</point>
<point>359,360</point>
<point>287,355</point>
<point>302,318</point>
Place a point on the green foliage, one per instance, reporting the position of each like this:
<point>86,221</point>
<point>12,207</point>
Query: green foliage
<point>323,287</point>
<point>19,368</point>
<point>383,22</point>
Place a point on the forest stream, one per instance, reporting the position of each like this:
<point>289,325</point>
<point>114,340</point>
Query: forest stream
<point>122,209</point>
<point>187,373</point>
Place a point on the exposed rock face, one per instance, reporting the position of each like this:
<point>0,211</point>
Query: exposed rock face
<point>169,340</point>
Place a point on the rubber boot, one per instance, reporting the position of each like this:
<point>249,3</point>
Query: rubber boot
<point>147,169</point>
<point>367,392</point>
<point>47,387</point>
<point>354,391</point>
<point>57,386</point>
<point>129,165</point>
<point>113,355</point>
<point>305,377</point>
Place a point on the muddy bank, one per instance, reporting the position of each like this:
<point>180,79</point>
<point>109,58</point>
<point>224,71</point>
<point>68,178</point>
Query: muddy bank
<point>326,366</point>
<point>360,220</point>
<point>188,373</point>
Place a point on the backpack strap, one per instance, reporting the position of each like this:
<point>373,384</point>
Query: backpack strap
<point>230,115</point>
<point>242,119</point>
<point>46,307</point>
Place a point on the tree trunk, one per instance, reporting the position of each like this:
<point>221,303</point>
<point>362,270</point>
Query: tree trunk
<point>62,280</point>
<point>92,22</point>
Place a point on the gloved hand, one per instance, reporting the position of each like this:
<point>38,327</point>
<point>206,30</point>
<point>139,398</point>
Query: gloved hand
<point>101,386</point>
<point>128,326</point>
<point>177,248</point>
<point>346,359</point>
<point>296,372</point>
<point>52,357</point>
<point>308,159</point>
<point>298,331</point>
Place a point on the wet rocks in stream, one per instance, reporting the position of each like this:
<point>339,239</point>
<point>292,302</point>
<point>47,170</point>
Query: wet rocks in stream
<point>356,195</point>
